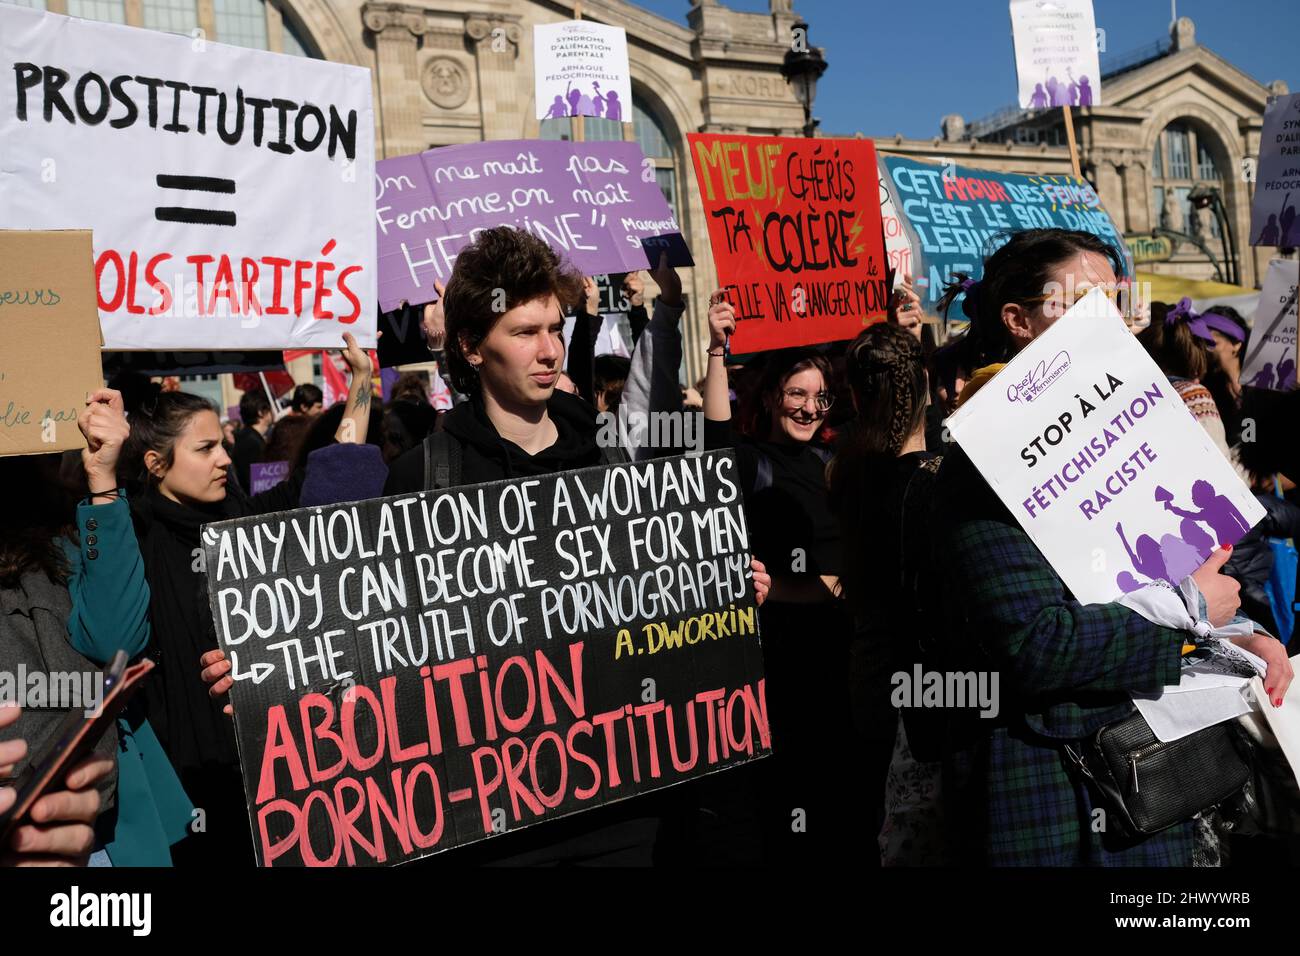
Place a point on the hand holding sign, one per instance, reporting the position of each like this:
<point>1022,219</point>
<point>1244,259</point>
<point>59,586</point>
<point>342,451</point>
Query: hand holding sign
<point>669,282</point>
<point>435,320</point>
<point>103,423</point>
<point>722,321</point>
<point>216,674</point>
<point>1222,593</point>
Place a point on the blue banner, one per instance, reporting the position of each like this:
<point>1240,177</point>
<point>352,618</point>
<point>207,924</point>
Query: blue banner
<point>958,215</point>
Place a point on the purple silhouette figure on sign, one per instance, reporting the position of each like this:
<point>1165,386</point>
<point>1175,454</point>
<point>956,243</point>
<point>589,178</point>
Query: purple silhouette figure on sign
<point>1055,92</point>
<point>558,110</point>
<point>1194,535</point>
<point>1148,560</point>
<point>1265,377</point>
<point>1287,222</point>
<point>1217,511</point>
<point>613,107</point>
<point>1085,91</point>
<point>1270,235</point>
<point>1072,90</point>
<point>1181,558</point>
<point>575,100</point>
<point>1126,582</point>
<point>597,101</point>
<point>1038,100</point>
<point>1285,373</point>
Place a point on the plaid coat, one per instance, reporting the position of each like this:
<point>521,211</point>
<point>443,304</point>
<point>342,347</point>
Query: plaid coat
<point>1065,670</point>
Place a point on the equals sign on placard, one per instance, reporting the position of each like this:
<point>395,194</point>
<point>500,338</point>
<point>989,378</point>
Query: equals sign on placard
<point>198,217</point>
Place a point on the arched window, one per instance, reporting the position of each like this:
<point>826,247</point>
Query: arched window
<point>1183,156</point>
<point>250,23</point>
<point>651,135</point>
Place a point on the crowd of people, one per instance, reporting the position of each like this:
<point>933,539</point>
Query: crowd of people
<point>877,546</point>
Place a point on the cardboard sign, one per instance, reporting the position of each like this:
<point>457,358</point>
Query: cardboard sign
<point>1095,454</point>
<point>590,202</point>
<point>50,359</point>
<point>1273,210</point>
<point>265,475</point>
<point>227,187</point>
<point>958,214</point>
<point>898,236</point>
<point>1272,359</point>
<point>795,230</point>
<point>420,672</point>
<point>582,70</point>
<point>1056,53</point>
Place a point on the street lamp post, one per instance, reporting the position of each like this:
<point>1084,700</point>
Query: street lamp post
<point>1204,196</point>
<point>802,68</point>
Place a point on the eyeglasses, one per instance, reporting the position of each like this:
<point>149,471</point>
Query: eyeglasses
<point>798,397</point>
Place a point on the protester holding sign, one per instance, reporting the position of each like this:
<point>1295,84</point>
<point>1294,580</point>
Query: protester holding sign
<point>1067,668</point>
<point>176,444</point>
<point>516,424</point>
<point>881,489</point>
<point>783,473</point>
<point>70,606</point>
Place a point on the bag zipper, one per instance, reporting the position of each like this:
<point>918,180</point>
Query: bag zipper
<point>1133,760</point>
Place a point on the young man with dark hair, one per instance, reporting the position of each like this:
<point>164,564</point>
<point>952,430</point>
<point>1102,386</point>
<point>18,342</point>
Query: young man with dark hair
<point>250,440</point>
<point>504,320</point>
<point>307,400</point>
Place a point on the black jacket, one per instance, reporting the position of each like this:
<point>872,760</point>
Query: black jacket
<point>486,456</point>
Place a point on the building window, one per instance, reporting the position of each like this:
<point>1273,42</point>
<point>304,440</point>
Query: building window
<point>1173,175</point>
<point>171,16</point>
<point>650,134</point>
<point>248,23</point>
<point>110,11</point>
<point>241,22</point>
<point>1205,165</point>
<point>1180,153</point>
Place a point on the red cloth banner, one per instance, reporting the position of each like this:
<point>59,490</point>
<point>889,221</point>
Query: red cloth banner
<point>796,235</point>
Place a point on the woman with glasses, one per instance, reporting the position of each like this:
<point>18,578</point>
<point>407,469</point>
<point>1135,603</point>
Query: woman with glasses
<point>1065,668</point>
<point>805,632</point>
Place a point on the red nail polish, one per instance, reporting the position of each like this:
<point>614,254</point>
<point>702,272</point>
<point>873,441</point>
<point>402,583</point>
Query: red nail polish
<point>1226,547</point>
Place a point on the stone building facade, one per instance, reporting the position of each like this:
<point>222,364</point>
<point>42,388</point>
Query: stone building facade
<point>1176,116</point>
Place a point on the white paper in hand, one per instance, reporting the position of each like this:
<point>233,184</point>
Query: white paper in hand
<point>1087,443</point>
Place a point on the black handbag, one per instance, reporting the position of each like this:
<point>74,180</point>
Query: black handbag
<point>1150,785</point>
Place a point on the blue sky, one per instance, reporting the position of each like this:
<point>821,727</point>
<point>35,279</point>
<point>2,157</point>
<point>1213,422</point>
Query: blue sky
<point>897,66</point>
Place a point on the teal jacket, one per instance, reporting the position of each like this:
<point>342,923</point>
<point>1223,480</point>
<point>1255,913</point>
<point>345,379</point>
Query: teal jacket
<point>110,612</point>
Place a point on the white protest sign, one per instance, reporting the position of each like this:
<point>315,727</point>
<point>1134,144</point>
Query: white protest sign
<point>1095,454</point>
<point>1273,210</point>
<point>582,70</point>
<point>1271,362</point>
<point>230,191</point>
<point>1056,53</point>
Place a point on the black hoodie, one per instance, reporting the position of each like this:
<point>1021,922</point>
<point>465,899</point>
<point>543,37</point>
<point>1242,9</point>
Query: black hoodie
<point>486,456</point>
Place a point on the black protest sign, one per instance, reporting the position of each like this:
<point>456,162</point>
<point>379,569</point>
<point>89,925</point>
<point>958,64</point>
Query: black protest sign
<point>419,672</point>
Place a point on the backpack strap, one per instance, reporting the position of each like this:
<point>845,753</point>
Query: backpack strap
<point>614,455</point>
<point>442,456</point>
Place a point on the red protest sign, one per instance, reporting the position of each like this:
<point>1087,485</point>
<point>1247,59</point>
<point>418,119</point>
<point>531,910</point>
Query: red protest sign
<point>795,230</point>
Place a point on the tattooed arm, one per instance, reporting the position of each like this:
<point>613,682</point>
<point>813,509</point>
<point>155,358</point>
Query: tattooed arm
<point>356,415</point>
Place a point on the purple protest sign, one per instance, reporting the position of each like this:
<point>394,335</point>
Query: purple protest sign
<point>589,201</point>
<point>264,475</point>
